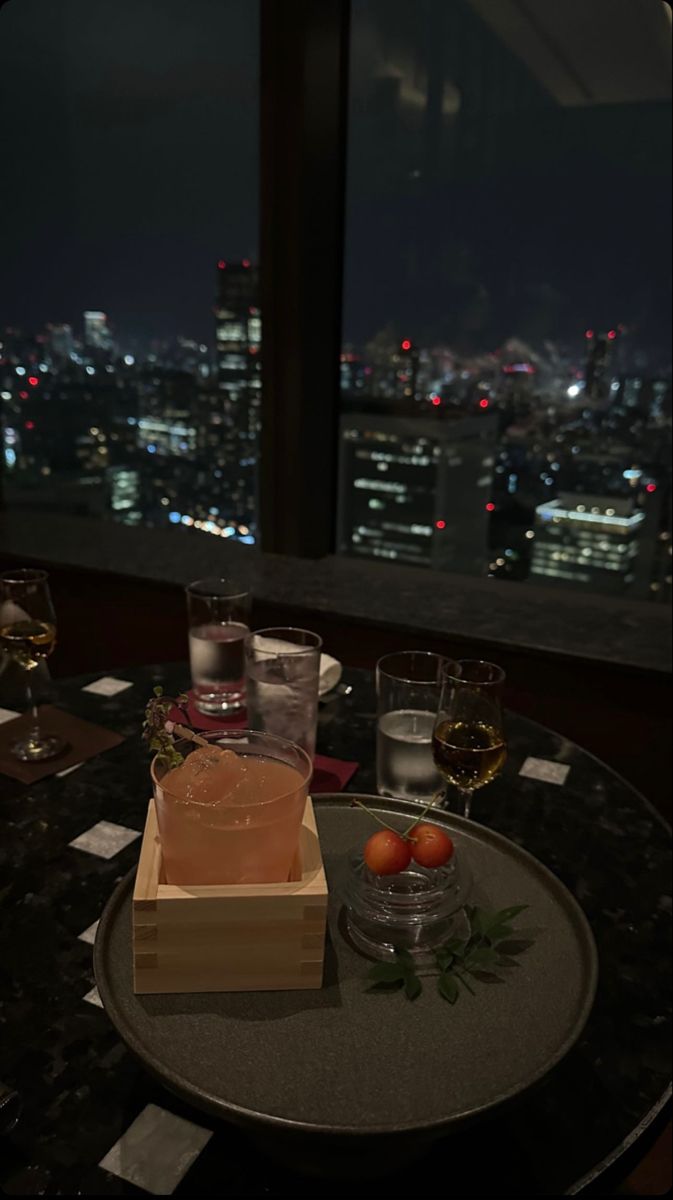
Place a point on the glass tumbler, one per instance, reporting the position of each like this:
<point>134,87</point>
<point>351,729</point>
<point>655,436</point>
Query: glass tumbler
<point>282,681</point>
<point>219,622</point>
<point>247,833</point>
<point>408,686</point>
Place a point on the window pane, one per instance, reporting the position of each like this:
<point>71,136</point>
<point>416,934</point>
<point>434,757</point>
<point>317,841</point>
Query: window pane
<point>506,369</point>
<point>129,315</point>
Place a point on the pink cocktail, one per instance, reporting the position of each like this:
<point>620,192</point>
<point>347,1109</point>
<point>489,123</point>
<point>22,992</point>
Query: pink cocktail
<point>232,812</point>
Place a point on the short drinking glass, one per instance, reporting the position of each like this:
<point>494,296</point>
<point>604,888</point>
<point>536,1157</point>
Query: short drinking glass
<point>282,680</point>
<point>468,743</point>
<point>247,833</point>
<point>219,622</point>
<point>408,686</point>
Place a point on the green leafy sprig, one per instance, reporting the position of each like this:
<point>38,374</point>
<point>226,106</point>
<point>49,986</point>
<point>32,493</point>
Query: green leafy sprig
<point>157,729</point>
<point>489,950</point>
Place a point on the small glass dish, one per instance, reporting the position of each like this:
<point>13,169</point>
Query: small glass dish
<point>416,910</point>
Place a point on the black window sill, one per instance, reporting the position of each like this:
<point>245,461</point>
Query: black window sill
<point>524,616</point>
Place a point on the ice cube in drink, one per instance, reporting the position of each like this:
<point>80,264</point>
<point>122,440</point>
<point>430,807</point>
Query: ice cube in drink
<point>404,762</point>
<point>230,817</point>
<point>216,657</point>
<point>282,690</point>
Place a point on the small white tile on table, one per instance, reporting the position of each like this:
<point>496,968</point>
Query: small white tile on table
<point>68,771</point>
<point>89,935</point>
<point>107,686</point>
<point>93,997</point>
<point>156,1151</point>
<point>8,714</point>
<point>546,770</point>
<point>105,839</point>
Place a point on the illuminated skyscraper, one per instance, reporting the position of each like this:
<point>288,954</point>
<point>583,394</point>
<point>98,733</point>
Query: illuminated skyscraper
<point>239,376</point>
<point>61,340</point>
<point>592,542</point>
<point>97,335</point>
<point>416,490</point>
<point>124,485</point>
<point>597,371</point>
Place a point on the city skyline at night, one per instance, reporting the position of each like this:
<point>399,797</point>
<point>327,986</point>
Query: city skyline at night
<point>464,463</point>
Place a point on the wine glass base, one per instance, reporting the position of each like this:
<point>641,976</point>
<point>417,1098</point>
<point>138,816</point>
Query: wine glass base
<point>37,748</point>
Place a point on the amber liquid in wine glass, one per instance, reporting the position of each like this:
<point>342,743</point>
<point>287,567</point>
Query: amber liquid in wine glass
<point>28,636</point>
<point>468,742</point>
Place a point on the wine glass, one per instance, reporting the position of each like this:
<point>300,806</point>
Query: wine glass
<point>28,635</point>
<point>468,742</point>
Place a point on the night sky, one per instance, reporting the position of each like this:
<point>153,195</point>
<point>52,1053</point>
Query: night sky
<point>130,130</point>
<point>129,133</point>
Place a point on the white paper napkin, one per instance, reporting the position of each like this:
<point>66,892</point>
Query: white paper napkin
<point>330,668</point>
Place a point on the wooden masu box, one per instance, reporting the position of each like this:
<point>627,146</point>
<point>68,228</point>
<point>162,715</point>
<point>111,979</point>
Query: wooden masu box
<point>234,938</point>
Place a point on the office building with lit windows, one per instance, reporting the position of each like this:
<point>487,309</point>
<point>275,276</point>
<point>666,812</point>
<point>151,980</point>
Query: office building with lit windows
<point>597,369</point>
<point>61,340</point>
<point>239,379</point>
<point>592,542</point>
<point>417,490</point>
<point>238,335</point>
<point>97,334</point>
<point>124,485</point>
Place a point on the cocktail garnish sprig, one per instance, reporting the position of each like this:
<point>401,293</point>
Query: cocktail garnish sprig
<point>158,729</point>
<point>485,956</point>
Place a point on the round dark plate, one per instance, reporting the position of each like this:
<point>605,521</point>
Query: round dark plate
<point>345,1061</point>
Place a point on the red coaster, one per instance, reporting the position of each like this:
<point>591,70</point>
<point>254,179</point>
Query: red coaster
<point>198,720</point>
<point>329,774</point>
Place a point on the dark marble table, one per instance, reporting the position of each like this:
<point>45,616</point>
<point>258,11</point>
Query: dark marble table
<point>81,1089</point>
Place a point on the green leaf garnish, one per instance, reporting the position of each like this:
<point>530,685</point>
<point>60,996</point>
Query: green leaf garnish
<point>448,988</point>
<point>386,973</point>
<point>412,986</point>
<point>401,972</point>
<point>490,947</point>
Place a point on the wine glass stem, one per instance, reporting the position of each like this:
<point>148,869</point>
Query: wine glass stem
<point>35,731</point>
<point>466,796</point>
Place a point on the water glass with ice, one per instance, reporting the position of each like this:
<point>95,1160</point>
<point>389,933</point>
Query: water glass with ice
<point>408,686</point>
<point>282,681</point>
<point>219,622</point>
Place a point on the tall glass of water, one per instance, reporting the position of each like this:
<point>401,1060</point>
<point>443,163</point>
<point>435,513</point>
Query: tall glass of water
<point>408,686</point>
<point>219,622</point>
<point>283,676</point>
